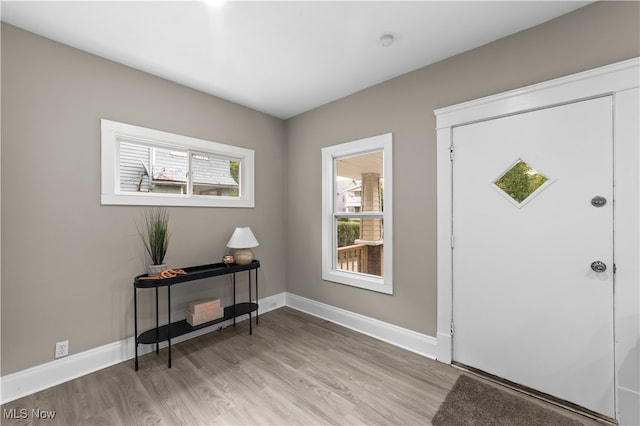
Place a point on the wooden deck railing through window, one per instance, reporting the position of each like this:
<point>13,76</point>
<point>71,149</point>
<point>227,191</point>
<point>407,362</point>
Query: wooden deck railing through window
<point>353,258</point>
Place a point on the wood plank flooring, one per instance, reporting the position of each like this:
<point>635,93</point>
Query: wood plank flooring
<point>295,369</point>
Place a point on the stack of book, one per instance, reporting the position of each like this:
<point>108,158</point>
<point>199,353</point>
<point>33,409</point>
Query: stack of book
<point>203,311</point>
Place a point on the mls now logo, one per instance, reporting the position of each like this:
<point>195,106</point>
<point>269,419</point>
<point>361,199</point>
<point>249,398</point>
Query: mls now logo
<point>23,413</point>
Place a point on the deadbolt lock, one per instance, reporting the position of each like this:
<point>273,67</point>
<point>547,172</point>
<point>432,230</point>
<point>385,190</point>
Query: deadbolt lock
<point>598,201</point>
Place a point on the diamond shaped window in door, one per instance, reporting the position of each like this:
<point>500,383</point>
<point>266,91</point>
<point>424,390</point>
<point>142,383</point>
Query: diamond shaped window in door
<point>521,182</point>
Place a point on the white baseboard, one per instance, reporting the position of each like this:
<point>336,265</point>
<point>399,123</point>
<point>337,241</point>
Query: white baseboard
<point>628,407</point>
<point>444,348</point>
<point>40,377</point>
<point>35,379</point>
<point>422,344</point>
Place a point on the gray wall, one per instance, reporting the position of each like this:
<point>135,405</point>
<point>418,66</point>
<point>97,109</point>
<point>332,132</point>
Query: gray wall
<point>599,34</point>
<point>67,261</point>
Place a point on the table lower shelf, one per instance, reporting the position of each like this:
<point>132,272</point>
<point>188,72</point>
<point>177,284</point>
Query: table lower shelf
<point>179,328</point>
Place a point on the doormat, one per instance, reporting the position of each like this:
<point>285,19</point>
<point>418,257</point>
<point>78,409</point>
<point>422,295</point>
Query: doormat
<point>472,402</point>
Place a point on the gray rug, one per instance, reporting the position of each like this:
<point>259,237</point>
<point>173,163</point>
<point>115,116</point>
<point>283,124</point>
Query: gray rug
<point>472,402</point>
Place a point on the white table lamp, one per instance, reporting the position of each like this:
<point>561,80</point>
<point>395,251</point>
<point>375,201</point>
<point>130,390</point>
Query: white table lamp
<point>243,240</point>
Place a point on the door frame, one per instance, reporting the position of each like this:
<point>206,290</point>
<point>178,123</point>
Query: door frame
<point>622,81</point>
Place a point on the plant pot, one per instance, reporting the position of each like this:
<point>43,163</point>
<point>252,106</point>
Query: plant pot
<point>155,270</point>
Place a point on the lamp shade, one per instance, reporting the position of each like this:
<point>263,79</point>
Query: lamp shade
<point>242,238</point>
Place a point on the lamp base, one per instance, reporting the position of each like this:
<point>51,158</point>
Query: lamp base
<point>243,256</point>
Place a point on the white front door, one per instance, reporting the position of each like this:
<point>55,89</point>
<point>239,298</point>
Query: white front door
<point>531,301</point>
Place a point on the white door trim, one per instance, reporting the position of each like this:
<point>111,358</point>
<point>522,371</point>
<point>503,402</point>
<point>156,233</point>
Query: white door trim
<point>622,81</point>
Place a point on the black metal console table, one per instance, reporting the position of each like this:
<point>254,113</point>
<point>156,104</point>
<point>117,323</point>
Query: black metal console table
<point>172,330</point>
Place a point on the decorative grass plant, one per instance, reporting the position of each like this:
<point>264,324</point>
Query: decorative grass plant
<point>156,234</point>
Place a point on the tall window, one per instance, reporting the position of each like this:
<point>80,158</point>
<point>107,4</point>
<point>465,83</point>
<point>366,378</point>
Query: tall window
<point>357,213</point>
<point>143,167</point>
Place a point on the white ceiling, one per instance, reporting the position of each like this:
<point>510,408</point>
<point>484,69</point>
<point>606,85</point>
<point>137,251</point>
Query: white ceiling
<point>282,58</point>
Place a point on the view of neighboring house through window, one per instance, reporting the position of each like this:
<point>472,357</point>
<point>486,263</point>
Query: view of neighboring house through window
<point>357,221</point>
<point>144,166</point>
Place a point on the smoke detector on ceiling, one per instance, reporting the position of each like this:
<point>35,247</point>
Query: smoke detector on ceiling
<point>386,40</point>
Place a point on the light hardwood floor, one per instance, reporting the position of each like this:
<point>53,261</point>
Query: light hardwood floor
<point>295,369</point>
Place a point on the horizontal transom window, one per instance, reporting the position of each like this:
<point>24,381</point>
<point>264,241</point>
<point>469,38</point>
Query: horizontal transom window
<point>143,166</point>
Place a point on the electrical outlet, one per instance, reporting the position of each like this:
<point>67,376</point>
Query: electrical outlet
<point>62,349</point>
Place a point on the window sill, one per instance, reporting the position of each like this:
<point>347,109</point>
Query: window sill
<point>174,200</point>
<point>354,279</point>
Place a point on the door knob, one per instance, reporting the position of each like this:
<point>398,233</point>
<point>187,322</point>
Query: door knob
<point>598,266</point>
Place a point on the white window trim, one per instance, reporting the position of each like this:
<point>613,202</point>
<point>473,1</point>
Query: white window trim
<point>113,131</point>
<point>382,284</point>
